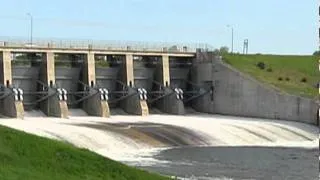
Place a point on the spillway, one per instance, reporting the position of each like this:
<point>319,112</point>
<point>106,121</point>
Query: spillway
<point>130,138</point>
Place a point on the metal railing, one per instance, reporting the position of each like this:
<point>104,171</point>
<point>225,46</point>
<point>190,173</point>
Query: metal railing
<point>104,45</point>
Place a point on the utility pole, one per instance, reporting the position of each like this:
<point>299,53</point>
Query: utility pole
<point>232,34</point>
<point>31,28</point>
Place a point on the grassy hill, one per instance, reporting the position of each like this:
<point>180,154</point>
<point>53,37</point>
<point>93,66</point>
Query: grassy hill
<point>29,157</point>
<point>293,74</point>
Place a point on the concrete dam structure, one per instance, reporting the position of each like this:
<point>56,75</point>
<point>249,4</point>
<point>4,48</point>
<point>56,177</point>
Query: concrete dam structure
<point>55,78</point>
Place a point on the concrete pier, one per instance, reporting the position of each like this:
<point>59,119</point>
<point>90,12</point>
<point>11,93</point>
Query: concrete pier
<point>94,105</point>
<point>169,104</point>
<point>51,106</point>
<point>165,78</point>
<point>9,105</point>
<point>132,104</point>
<point>5,65</point>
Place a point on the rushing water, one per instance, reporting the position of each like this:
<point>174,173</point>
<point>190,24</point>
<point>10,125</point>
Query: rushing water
<point>238,163</point>
<point>231,147</point>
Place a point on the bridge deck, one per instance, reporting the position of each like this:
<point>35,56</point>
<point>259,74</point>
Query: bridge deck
<point>102,47</point>
<point>96,51</point>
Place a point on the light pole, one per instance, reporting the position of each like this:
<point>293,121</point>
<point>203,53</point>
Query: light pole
<point>231,37</point>
<point>31,27</point>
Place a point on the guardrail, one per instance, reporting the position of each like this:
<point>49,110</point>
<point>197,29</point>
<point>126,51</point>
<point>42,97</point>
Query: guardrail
<point>104,45</point>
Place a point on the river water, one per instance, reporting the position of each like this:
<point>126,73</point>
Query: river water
<point>238,163</point>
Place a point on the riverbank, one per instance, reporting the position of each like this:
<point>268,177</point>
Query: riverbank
<point>25,156</point>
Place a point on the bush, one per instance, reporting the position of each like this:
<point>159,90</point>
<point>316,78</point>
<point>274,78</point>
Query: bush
<point>269,70</point>
<point>261,65</point>
<point>280,79</point>
<point>287,79</point>
<point>304,80</point>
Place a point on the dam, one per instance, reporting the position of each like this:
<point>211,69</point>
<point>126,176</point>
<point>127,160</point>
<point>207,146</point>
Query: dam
<point>157,107</point>
<point>56,77</point>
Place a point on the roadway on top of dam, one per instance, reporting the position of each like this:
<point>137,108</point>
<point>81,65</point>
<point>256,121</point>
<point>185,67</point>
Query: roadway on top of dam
<point>96,51</point>
<point>105,49</point>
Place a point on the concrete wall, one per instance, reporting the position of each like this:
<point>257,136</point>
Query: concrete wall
<point>240,95</point>
<point>201,74</point>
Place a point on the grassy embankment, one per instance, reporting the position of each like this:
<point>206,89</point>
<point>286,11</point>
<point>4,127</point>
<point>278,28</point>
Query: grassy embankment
<point>29,157</point>
<point>296,75</point>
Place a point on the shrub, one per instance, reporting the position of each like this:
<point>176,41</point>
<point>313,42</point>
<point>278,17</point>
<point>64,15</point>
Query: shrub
<point>304,80</point>
<point>269,70</point>
<point>287,79</point>
<point>261,65</point>
<point>280,79</point>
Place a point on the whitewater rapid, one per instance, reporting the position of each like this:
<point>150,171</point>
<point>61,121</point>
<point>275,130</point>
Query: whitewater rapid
<point>136,139</point>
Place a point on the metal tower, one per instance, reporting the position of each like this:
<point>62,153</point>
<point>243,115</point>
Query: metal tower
<point>245,46</point>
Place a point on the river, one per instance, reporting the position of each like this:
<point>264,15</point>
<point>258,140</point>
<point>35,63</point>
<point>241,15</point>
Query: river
<point>238,163</point>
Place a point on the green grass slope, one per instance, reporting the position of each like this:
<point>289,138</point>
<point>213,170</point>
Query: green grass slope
<point>29,157</point>
<point>291,69</point>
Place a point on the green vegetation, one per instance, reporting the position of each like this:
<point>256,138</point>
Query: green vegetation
<point>222,51</point>
<point>102,63</point>
<point>297,75</point>
<point>29,157</point>
<point>316,53</point>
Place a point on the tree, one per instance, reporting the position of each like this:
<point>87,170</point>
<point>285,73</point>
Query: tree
<point>224,50</point>
<point>316,53</point>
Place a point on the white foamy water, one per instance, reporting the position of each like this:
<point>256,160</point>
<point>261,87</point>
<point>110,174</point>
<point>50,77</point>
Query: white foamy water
<point>218,130</point>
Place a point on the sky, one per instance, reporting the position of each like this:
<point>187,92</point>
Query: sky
<point>271,26</point>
